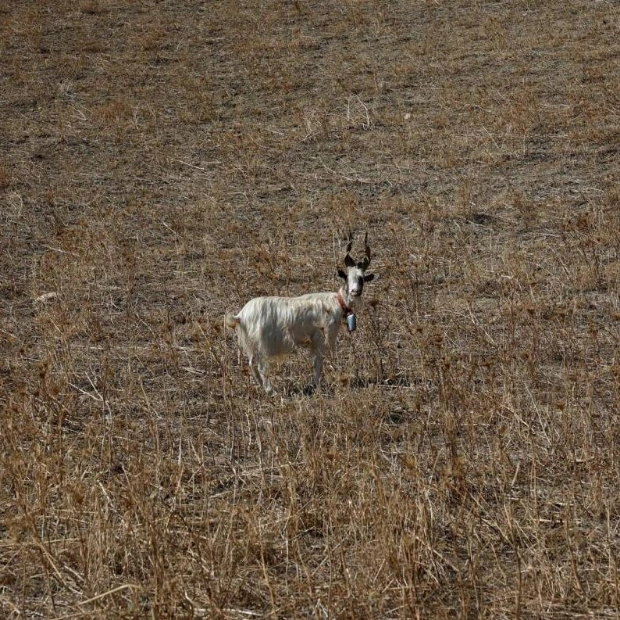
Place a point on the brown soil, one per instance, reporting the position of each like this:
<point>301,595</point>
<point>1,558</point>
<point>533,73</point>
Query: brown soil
<point>162,162</point>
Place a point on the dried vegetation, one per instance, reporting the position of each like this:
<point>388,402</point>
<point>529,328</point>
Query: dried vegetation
<point>162,162</point>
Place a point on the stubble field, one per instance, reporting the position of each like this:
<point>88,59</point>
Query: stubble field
<point>162,162</point>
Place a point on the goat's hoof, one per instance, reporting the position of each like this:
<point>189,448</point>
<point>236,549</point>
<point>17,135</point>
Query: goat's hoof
<point>309,390</point>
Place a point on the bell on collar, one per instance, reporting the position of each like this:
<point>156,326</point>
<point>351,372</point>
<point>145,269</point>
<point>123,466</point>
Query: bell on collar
<point>351,325</point>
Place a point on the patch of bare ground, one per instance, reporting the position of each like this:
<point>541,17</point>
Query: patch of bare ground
<point>163,162</point>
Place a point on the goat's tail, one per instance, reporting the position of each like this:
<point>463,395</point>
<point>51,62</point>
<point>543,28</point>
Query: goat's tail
<point>231,321</point>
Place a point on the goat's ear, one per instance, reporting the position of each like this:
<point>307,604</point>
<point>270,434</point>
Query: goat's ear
<point>369,277</point>
<point>348,261</point>
<point>342,274</point>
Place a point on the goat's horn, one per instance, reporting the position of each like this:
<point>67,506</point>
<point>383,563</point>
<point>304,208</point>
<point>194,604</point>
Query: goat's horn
<point>367,249</point>
<point>350,244</point>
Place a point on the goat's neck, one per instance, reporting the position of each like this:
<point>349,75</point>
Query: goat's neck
<point>348,299</point>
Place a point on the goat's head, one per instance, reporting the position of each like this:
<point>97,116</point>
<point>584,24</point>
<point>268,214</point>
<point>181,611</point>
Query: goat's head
<point>355,275</point>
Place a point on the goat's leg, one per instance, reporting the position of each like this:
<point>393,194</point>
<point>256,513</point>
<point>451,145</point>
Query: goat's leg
<point>262,370</point>
<point>318,367</point>
<point>318,371</point>
<point>318,348</point>
<point>259,370</point>
<point>255,371</point>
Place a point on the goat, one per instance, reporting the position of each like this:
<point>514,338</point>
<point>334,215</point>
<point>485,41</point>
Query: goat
<point>271,327</point>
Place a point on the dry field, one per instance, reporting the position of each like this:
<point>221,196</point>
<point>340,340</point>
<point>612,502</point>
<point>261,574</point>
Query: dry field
<point>161,162</point>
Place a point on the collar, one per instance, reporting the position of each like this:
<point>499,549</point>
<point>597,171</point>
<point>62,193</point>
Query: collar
<point>343,304</point>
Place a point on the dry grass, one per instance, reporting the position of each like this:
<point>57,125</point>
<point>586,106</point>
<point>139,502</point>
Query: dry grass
<point>162,162</point>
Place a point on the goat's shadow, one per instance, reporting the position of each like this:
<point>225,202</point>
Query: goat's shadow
<point>356,383</point>
<point>395,381</point>
<point>297,391</point>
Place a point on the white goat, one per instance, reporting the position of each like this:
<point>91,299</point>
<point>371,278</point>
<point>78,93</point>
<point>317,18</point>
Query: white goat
<point>272,327</point>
